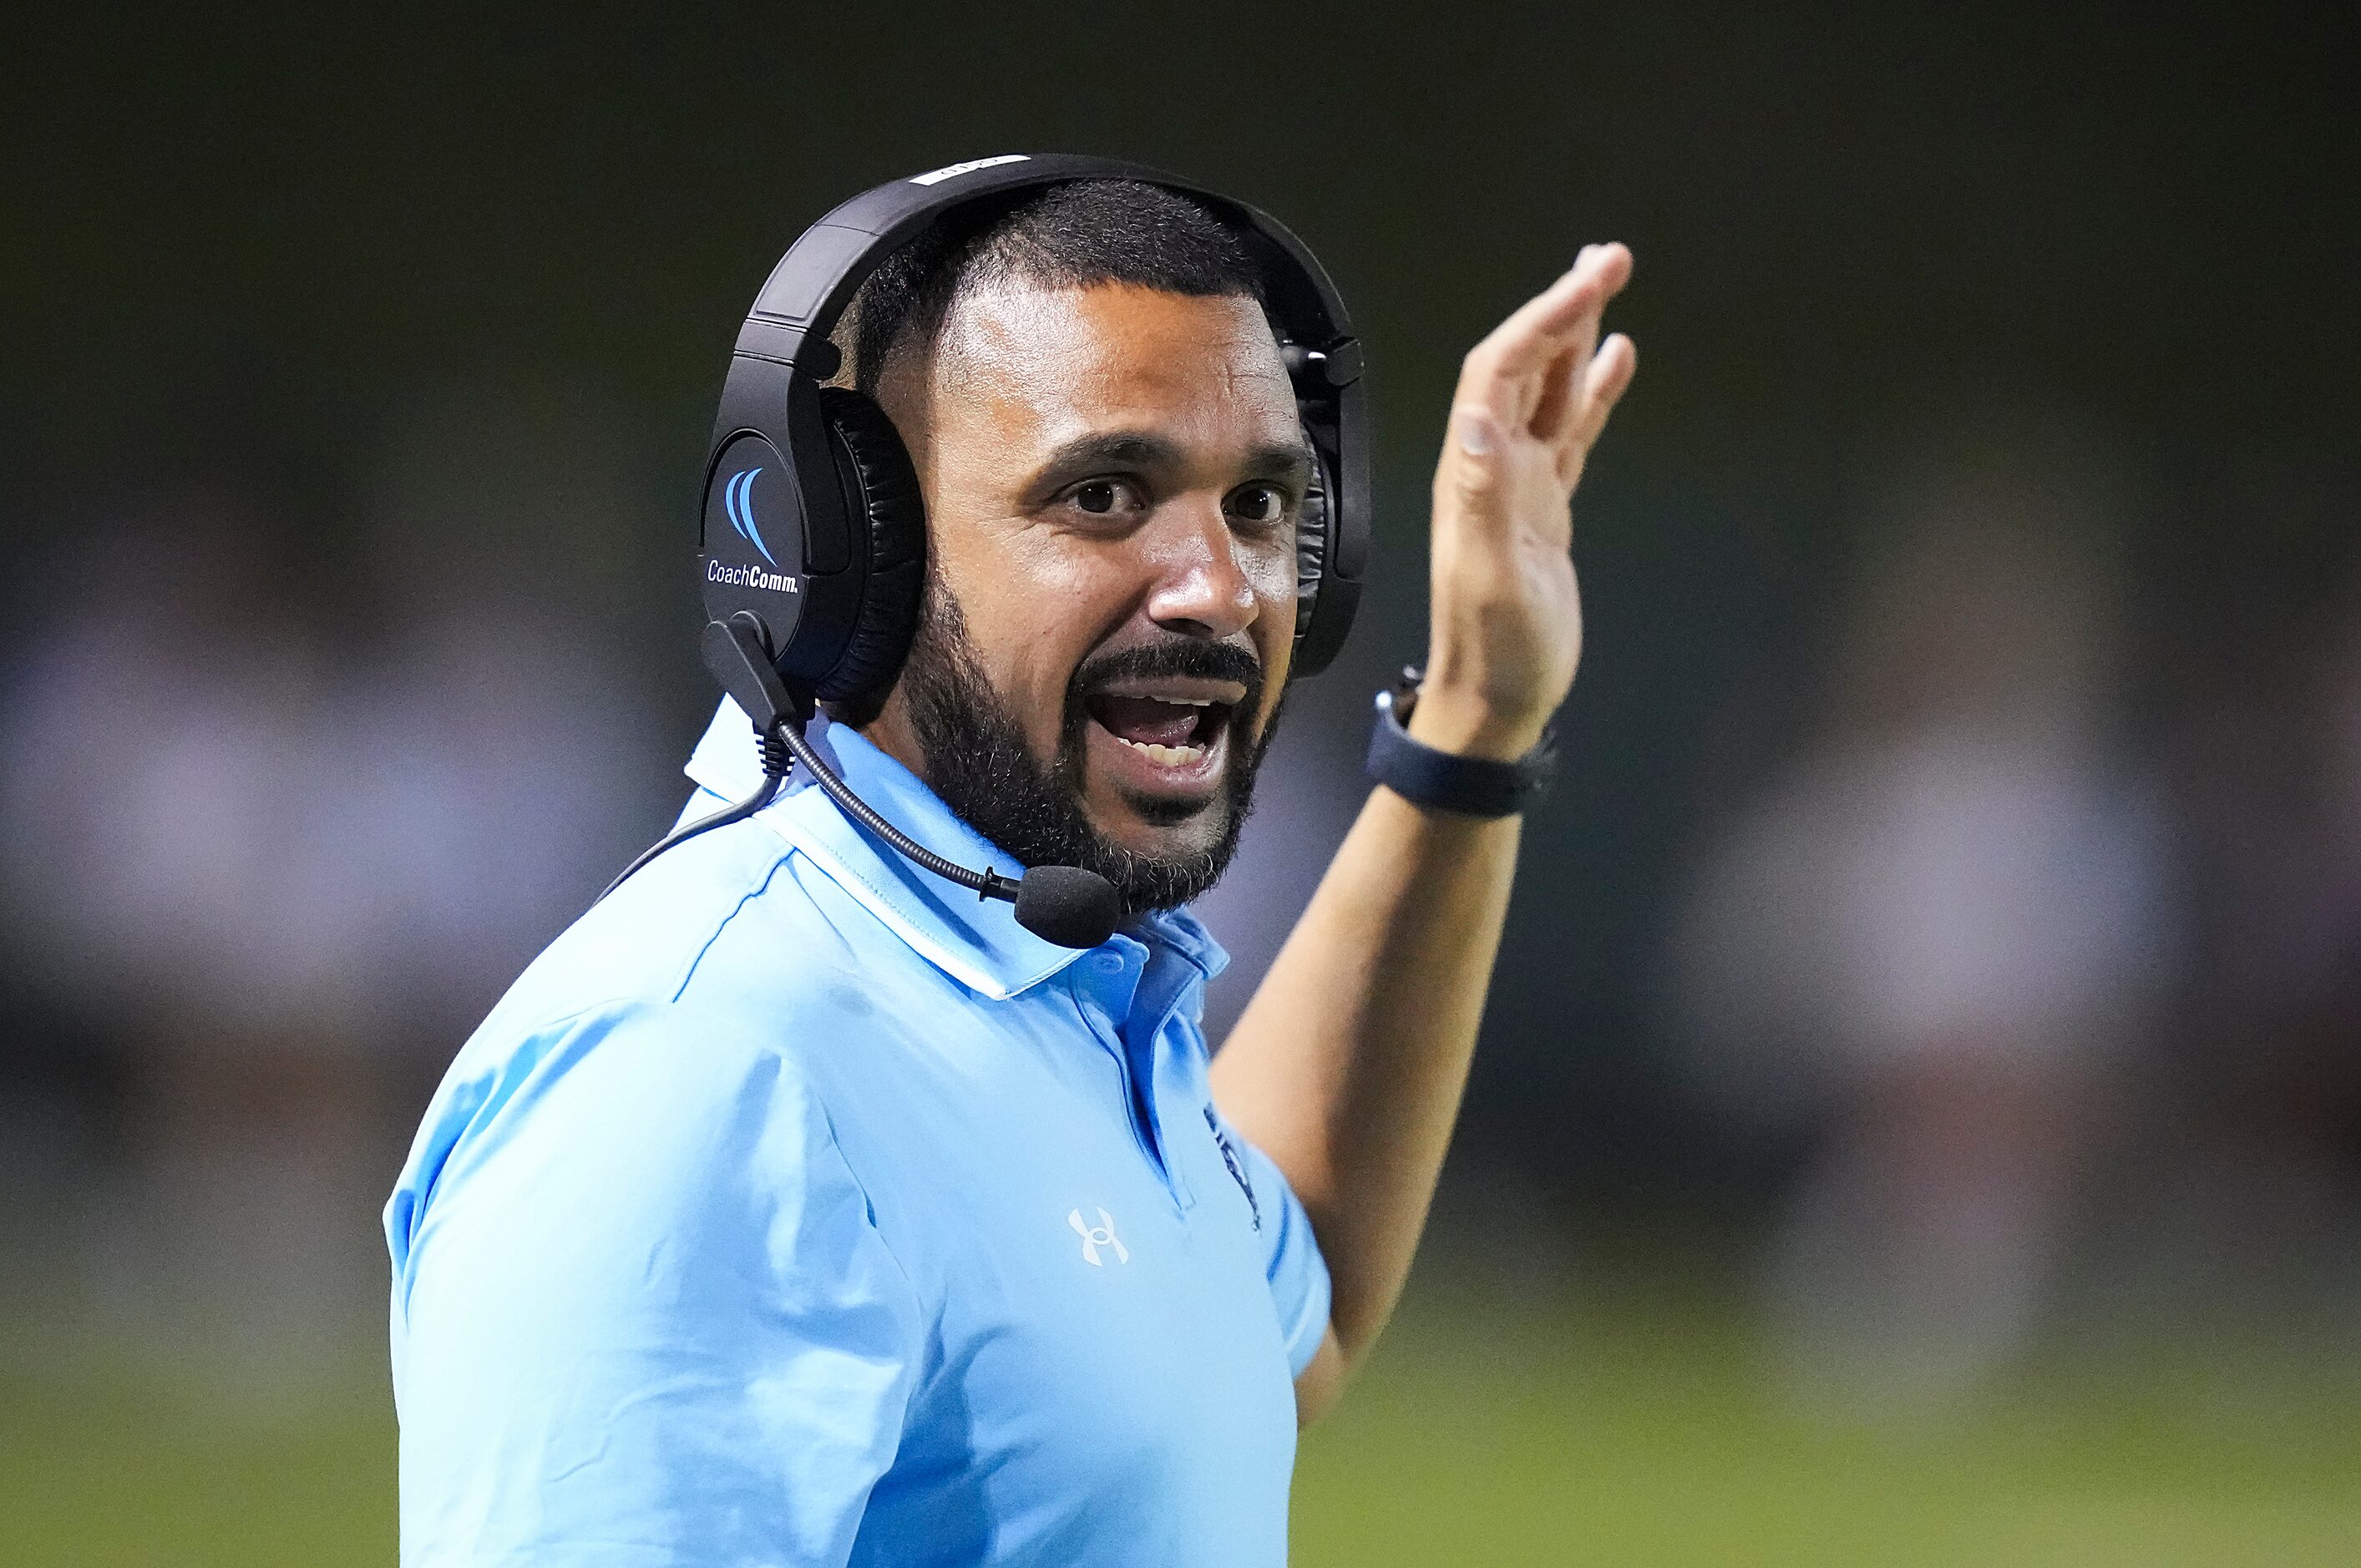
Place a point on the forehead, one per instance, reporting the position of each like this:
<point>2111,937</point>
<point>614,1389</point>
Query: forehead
<point>1037,366</point>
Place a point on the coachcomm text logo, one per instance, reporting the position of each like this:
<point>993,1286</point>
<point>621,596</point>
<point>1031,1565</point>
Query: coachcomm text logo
<point>750,578</point>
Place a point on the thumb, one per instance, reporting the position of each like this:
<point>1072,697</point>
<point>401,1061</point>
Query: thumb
<point>1473,464</point>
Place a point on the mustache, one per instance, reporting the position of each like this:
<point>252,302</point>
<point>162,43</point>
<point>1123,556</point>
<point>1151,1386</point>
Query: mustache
<point>1173,656</point>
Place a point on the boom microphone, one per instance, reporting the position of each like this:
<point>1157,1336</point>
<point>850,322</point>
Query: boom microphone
<point>1065,904</point>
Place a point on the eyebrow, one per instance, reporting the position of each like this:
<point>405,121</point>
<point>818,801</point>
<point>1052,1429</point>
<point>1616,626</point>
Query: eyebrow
<point>1140,451</point>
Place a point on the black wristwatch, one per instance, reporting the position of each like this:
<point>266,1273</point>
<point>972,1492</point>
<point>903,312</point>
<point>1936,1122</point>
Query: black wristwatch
<point>1444,780</point>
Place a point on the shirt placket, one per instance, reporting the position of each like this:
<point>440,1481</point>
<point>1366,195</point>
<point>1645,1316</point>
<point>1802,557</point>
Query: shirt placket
<point>1119,995</point>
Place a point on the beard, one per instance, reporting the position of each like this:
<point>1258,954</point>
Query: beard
<point>977,760</point>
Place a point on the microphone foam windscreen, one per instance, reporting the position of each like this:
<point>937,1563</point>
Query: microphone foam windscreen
<point>1067,906</point>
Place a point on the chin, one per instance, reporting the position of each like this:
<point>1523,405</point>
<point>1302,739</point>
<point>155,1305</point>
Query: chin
<point>1162,827</point>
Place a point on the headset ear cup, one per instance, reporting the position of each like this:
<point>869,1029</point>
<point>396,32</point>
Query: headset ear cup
<point>889,518</point>
<point>1310,548</point>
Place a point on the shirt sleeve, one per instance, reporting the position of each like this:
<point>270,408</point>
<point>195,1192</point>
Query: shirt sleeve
<point>643,1316</point>
<point>1291,1263</point>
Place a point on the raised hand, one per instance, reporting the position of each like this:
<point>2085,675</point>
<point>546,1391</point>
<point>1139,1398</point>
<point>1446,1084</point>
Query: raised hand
<point>1506,632</point>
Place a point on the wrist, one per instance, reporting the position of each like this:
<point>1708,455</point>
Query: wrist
<point>1466,723</point>
<point>1460,783</point>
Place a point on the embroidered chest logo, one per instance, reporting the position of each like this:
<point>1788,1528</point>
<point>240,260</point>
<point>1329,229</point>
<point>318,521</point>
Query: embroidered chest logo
<point>1237,1167</point>
<point>1096,1236</point>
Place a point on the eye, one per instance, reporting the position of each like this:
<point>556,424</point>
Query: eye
<point>1258,503</point>
<point>1103,497</point>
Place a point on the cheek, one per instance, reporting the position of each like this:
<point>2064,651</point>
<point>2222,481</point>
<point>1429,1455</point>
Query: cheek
<point>1271,575</point>
<point>1270,570</point>
<point>1033,613</point>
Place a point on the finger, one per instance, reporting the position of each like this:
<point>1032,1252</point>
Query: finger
<point>1522,345</point>
<point>1561,394</point>
<point>1562,400</point>
<point>1603,383</point>
<point>1503,371</point>
<point>1612,369</point>
<point>1598,275</point>
<point>1558,412</point>
<point>1538,327</point>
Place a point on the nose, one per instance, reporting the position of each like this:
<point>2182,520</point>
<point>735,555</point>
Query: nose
<point>1203,588</point>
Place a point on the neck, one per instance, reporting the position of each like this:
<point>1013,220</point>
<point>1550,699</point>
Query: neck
<point>893,734</point>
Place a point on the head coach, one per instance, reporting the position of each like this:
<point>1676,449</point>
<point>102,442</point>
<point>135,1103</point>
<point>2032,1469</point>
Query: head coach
<point>800,1206</point>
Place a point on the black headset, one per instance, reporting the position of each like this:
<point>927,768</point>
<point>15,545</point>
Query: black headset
<point>813,523</point>
<point>813,547</point>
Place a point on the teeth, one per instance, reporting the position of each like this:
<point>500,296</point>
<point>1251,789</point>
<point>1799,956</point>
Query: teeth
<point>1169,756</point>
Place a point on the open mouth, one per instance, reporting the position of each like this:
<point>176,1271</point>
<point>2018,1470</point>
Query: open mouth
<point>1173,730</point>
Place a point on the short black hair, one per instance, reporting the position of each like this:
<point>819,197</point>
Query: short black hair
<point>1076,235</point>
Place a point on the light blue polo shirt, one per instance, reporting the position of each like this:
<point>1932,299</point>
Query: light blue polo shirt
<point>799,1207</point>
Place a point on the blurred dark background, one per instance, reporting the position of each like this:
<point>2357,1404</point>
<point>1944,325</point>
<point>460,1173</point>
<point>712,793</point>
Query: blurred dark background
<point>1935,968</point>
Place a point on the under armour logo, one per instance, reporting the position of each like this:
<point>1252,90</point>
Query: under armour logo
<point>1096,1236</point>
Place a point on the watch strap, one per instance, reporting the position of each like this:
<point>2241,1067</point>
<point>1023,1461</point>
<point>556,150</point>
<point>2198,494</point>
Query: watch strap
<point>1445,781</point>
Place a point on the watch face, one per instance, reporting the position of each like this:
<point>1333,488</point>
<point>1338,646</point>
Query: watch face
<point>1402,695</point>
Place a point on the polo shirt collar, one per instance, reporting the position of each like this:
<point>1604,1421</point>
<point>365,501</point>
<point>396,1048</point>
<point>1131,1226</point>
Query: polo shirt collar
<point>975,941</point>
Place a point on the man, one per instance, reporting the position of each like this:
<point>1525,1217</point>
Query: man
<point>797,1208</point>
